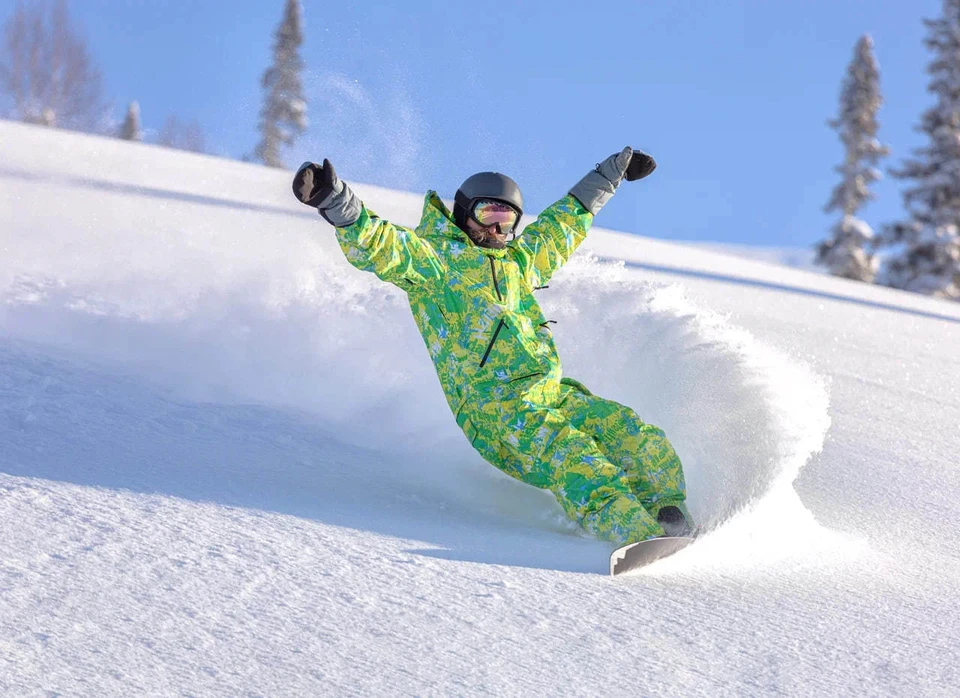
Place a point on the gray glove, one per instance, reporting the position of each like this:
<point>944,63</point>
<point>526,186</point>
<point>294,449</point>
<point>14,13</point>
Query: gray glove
<point>318,186</point>
<point>596,188</point>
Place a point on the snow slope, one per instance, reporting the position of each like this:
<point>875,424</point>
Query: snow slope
<point>796,257</point>
<point>227,468</point>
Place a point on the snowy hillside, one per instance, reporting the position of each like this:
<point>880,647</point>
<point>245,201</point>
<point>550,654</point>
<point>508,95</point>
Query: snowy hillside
<point>227,468</point>
<point>796,257</point>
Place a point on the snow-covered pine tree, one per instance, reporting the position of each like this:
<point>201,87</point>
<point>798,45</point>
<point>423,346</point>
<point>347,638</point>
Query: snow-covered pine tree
<point>846,251</point>
<point>284,112</point>
<point>130,130</point>
<point>927,258</point>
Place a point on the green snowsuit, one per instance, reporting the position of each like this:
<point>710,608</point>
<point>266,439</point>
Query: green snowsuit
<point>499,369</point>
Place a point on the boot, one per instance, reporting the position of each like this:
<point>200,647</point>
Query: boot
<point>673,522</point>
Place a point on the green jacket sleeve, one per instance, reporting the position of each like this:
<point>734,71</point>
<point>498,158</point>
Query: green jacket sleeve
<point>546,244</point>
<point>394,253</point>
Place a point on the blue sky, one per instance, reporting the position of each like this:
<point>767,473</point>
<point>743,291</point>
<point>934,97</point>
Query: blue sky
<point>730,97</point>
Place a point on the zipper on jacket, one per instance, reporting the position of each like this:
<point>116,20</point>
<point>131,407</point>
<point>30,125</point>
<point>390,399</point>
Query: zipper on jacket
<point>496,286</point>
<point>486,354</point>
<point>529,375</point>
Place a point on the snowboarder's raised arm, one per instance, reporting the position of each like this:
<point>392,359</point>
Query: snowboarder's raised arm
<point>370,243</point>
<point>548,242</point>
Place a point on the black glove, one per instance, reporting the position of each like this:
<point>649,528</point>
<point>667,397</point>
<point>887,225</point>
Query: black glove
<point>313,183</point>
<point>640,166</point>
<point>318,186</point>
<point>598,185</point>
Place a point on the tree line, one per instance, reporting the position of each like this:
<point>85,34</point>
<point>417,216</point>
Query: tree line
<point>48,77</point>
<point>921,252</point>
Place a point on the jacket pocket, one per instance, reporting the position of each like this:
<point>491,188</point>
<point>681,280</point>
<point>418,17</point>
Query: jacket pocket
<point>512,350</point>
<point>493,340</point>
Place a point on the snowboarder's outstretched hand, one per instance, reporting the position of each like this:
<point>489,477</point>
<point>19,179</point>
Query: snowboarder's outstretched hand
<point>313,183</point>
<point>628,164</point>
<point>318,186</point>
<point>596,188</point>
<point>640,166</point>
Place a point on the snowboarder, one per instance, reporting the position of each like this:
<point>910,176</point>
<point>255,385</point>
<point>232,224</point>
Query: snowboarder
<point>471,293</point>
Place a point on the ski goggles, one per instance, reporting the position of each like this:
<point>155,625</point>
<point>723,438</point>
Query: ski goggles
<point>488,212</point>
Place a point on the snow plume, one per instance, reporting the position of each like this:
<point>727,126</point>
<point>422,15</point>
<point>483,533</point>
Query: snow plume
<point>369,135</point>
<point>251,302</point>
<point>743,417</point>
<point>341,346</point>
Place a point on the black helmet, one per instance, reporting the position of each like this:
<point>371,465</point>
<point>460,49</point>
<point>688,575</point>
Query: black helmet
<point>485,185</point>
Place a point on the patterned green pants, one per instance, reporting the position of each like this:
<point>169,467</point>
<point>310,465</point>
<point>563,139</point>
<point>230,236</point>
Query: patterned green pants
<point>609,470</point>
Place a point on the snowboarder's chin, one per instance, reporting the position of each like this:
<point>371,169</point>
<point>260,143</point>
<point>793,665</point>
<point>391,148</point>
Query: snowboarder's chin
<point>485,237</point>
<point>496,241</point>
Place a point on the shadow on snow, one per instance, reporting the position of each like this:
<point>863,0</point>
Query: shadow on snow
<point>65,422</point>
<point>798,290</point>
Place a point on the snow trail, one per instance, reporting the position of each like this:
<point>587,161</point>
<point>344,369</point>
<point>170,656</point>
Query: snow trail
<point>340,347</point>
<point>247,301</point>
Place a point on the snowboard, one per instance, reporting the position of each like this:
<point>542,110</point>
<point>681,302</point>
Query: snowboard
<point>637,555</point>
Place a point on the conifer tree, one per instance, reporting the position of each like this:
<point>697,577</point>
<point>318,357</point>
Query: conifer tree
<point>130,130</point>
<point>284,112</point>
<point>846,251</point>
<point>927,256</point>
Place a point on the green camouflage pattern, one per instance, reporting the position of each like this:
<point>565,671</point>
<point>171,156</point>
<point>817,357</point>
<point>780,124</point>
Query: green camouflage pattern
<point>499,369</point>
